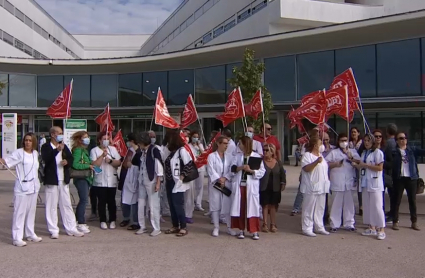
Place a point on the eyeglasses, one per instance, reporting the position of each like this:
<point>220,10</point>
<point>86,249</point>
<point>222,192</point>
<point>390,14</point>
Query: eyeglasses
<point>378,136</point>
<point>266,150</point>
<point>269,128</point>
<point>402,138</point>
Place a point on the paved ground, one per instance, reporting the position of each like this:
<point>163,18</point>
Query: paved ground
<point>120,253</point>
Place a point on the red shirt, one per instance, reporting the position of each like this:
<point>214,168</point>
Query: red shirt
<point>271,140</point>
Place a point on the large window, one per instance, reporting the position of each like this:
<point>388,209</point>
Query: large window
<point>151,82</point>
<point>130,90</point>
<point>315,72</point>
<point>399,68</point>
<point>279,78</point>
<point>22,90</point>
<point>125,126</point>
<point>48,89</point>
<point>80,90</point>
<point>210,85</point>
<point>103,90</point>
<point>180,85</point>
<point>363,62</point>
<point>4,79</point>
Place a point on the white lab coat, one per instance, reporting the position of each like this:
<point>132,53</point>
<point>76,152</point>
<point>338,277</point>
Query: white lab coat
<point>231,147</point>
<point>316,181</point>
<point>179,186</point>
<point>130,191</point>
<point>252,188</point>
<point>198,184</point>
<point>257,147</point>
<point>342,178</point>
<point>216,170</point>
<point>108,176</point>
<point>372,181</point>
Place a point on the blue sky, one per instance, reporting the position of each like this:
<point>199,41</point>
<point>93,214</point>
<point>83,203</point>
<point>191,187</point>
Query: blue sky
<point>110,16</point>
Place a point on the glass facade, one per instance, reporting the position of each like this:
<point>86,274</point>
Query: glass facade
<point>210,85</point>
<point>104,90</point>
<point>151,82</point>
<point>22,90</point>
<point>180,86</point>
<point>130,90</point>
<point>279,77</point>
<point>48,89</point>
<point>80,89</point>
<point>4,95</point>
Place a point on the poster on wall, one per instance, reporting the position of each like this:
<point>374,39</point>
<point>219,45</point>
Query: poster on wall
<point>9,133</point>
<point>72,126</point>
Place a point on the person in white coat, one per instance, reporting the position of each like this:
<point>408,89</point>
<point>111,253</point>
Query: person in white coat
<point>198,184</point>
<point>245,210</point>
<point>256,145</point>
<point>107,158</point>
<point>58,159</point>
<point>343,182</point>
<point>371,186</point>
<point>231,147</point>
<point>27,186</point>
<point>174,176</point>
<point>219,171</point>
<point>150,168</point>
<point>314,186</point>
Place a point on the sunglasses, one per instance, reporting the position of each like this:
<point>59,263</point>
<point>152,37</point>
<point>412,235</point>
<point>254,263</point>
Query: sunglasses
<point>402,138</point>
<point>377,136</point>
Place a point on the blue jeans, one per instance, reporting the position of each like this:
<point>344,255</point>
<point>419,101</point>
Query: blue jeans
<point>176,201</point>
<point>298,201</point>
<point>127,210</point>
<point>82,186</point>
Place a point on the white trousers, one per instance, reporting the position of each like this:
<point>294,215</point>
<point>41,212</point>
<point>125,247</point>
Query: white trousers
<point>59,194</point>
<point>312,212</point>
<point>165,206</point>
<point>199,188</point>
<point>215,215</point>
<point>343,205</point>
<point>147,191</point>
<point>189,201</point>
<point>373,214</point>
<point>24,208</point>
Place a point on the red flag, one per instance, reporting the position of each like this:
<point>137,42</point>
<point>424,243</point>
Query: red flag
<point>346,78</point>
<point>255,107</point>
<point>234,108</point>
<point>323,127</point>
<point>119,143</point>
<point>189,115</point>
<point>307,98</point>
<point>314,110</point>
<point>337,103</point>
<point>294,122</point>
<point>186,145</point>
<point>162,117</point>
<point>61,108</point>
<point>105,121</point>
<point>203,157</point>
<point>303,140</point>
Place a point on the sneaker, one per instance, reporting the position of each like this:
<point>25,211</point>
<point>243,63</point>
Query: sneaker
<point>199,208</point>
<point>231,232</point>
<point>415,226</point>
<point>215,232</point>
<point>255,236</point>
<point>189,220</point>
<point>310,234</point>
<point>241,235</point>
<point>34,239</point>
<point>369,232</point>
<point>333,230</point>
<point>381,235</point>
<point>155,233</point>
<point>141,231</point>
<point>395,226</point>
<point>294,212</point>
<point>208,213</point>
<point>103,226</point>
<point>83,228</point>
<point>223,221</point>
<point>93,217</point>
<point>54,236</point>
<point>323,232</point>
<point>75,233</point>
<point>112,225</point>
<point>19,243</point>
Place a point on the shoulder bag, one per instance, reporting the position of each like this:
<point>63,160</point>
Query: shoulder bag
<point>80,174</point>
<point>193,170</point>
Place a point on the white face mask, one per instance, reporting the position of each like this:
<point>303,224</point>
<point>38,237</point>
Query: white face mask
<point>59,138</point>
<point>153,140</point>
<point>343,145</point>
<point>195,140</point>
<point>321,148</point>
<point>105,143</point>
<point>86,141</point>
<point>249,134</point>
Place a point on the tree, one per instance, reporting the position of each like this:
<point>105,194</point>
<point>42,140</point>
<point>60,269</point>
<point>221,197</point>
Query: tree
<point>2,86</point>
<point>249,78</point>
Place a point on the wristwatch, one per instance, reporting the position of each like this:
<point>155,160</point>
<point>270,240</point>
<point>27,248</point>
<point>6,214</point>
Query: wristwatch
<point>110,161</point>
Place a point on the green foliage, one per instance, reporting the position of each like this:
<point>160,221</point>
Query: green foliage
<point>2,86</point>
<point>249,78</point>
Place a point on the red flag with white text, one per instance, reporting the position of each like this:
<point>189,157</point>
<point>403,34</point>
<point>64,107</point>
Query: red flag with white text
<point>162,116</point>
<point>186,145</point>
<point>61,107</point>
<point>120,144</point>
<point>337,103</point>
<point>203,157</point>
<point>346,78</point>
<point>255,106</point>
<point>234,108</point>
<point>314,110</point>
<point>303,140</point>
<point>105,121</point>
<point>189,115</point>
<point>307,98</point>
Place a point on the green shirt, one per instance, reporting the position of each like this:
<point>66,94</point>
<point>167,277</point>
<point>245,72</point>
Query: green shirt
<point>82,161</point>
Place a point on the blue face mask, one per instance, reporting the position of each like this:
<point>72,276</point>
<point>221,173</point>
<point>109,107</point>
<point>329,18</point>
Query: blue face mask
<point>105,143</point>
<point>59,138</point>
<point>128,145</point>
<point>195,140</point>
<point>153,140</point>
<point>249,134</point>
<point>86,141</point>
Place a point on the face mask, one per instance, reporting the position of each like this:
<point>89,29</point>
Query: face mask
<point>195,140</point>
<point>321,148</point>
<point>59,138</point>
<point>128,145</point>
<point>105,143</point>
<point>343,145</point>
<point>153,140</point>
<point>86,141</point>
<point>249,134</point>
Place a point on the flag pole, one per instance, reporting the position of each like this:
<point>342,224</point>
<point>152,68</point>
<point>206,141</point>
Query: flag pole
<point>69,101</point>
<point>107,120</point>
<point>243,109</point>
<point>154,109</point>
<point>347,109</point>
<point>264,120</point>
<point>199,121</point>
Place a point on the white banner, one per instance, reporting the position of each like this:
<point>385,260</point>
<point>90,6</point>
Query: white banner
<point>9,133</point>
<point>72,126</point>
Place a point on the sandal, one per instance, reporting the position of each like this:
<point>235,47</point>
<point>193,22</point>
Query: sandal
<point>173,230</point>
<point>182,233</point>
<point>265,229</point>
<point>273,228</point>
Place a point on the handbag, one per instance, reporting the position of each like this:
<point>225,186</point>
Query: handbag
<point>193,170</point>
<point>421,186</point>
<point>388,181</point>
<point>80,174</point>
<point>226,191</point>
